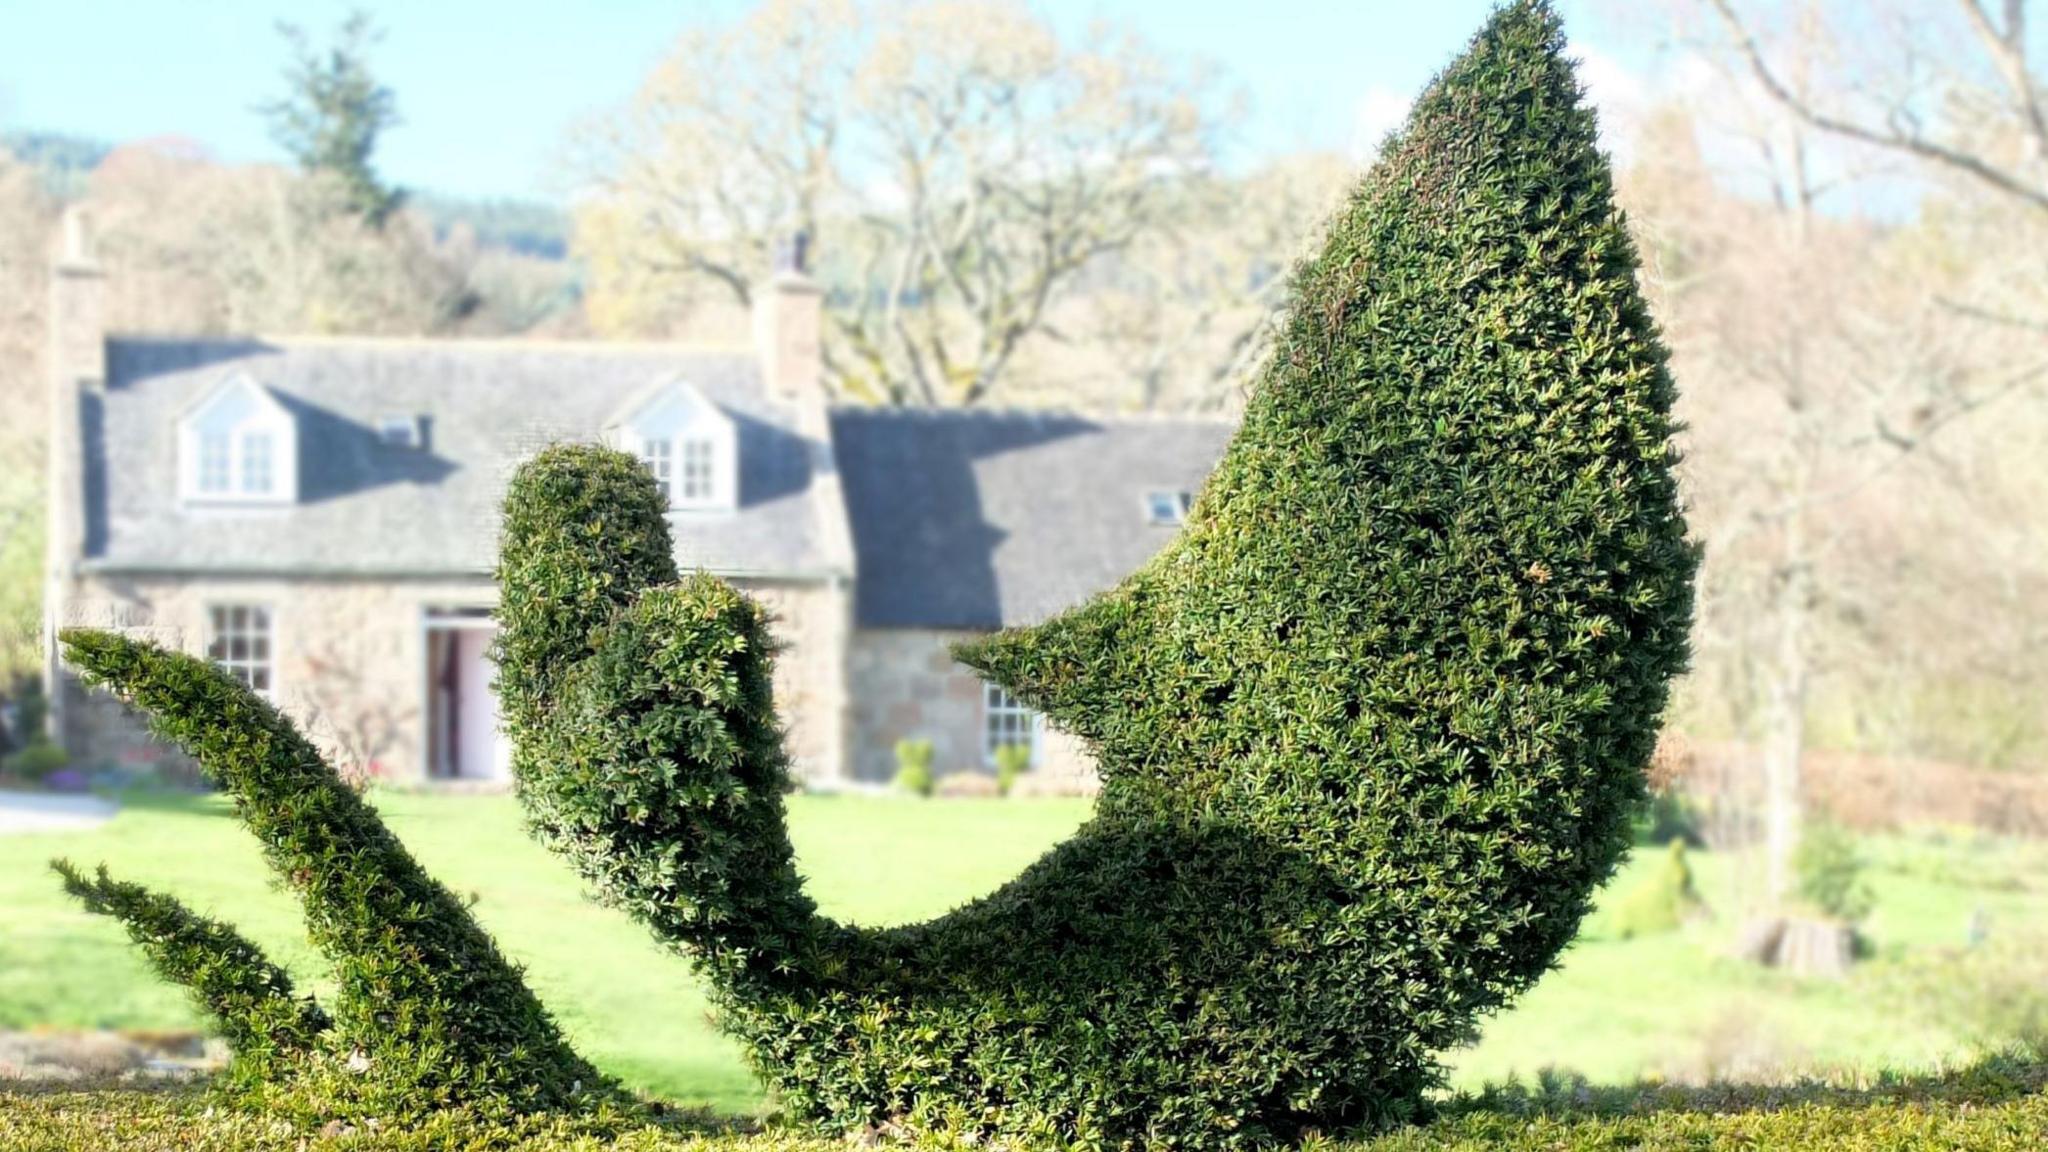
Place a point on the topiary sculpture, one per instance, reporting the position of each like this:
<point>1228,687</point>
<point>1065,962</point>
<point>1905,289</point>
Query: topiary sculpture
<point>1370,731</point>
<point>427,1015</point>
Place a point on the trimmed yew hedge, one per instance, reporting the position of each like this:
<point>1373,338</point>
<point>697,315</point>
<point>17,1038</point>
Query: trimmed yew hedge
<point>427,1014</point>
<point>1994,1105</point>
<point>1371,731</point>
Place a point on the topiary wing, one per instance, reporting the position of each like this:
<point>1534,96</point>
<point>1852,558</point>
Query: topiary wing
<point>1370,730</point>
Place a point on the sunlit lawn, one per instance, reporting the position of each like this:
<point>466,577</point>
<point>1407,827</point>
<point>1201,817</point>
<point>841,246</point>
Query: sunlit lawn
<point>1615,1010</point>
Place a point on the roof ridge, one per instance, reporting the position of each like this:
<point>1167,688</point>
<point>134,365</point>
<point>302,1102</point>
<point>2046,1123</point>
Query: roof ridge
<point>492,343</point>
<point>1016,412</point>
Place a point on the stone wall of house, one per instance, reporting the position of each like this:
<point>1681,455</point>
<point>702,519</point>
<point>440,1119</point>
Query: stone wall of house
<point>349,657</point>
<point>351,663</point>
<point>905,685</point>
<point>813,622</point>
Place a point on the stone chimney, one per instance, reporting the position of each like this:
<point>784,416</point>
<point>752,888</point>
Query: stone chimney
<point>788,329</point>
<point>77,367</point>
<point>78,293</point>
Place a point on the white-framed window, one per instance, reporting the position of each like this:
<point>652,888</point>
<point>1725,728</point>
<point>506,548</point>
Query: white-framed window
<point>697,483</point>
<point>660,458</point>
<point>1164,506</point>
<point>258,476</point>
<point>240,639</point>
<point>1006,720</point>
<point>216,462</point>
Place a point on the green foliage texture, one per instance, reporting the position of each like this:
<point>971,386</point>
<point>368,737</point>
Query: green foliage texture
<point>1995,1104</point>
<point>427,1015</point>
<point>1371,730</point>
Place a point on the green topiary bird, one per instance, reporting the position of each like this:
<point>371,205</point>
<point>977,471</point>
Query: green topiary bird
<point>1371,730</point>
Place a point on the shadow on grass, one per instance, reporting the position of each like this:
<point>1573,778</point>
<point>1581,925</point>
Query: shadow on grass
<point>174,801</point>
<point>2015,1073</point>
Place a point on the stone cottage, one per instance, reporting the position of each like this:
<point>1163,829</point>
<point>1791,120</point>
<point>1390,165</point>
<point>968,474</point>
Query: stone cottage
<point>319,516</point>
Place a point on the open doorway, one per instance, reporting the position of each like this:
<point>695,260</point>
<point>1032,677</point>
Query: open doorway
<point>465,735</point>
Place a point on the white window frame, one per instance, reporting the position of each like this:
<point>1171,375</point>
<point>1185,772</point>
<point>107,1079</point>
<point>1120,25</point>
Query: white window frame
<point>696,473</point>
<point>658,456</point>
<point>258,465</point>
<point>1003,717</point>
<point>215,468</point>
<point>1167,507</point>
<point>256,629</point>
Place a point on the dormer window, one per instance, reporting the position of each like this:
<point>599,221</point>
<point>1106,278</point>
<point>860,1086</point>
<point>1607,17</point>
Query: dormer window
<point>688,444</point>
<point>238,445</point>
<point>1167,507</point>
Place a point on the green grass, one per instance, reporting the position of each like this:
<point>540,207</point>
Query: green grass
<point>1615,1011</point>
<point>630,1006</point>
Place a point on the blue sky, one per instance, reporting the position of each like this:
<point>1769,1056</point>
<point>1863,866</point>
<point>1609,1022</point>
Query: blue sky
<point>488,90</point>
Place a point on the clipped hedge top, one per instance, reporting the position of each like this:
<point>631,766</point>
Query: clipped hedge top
<point>1996,1105</point>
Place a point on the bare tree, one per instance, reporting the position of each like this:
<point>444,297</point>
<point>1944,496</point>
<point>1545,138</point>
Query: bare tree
<point>1184,313</point>
<point>356,719</point>
<point>27,216</point>
<point>1981,119</point>
<point>1822,380</point>
<point>195,246</point>
<point>961,167</point>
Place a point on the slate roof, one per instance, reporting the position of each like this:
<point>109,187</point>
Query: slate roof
<point>960,520</point>
<point>976,520</point>
<point>367,508</point>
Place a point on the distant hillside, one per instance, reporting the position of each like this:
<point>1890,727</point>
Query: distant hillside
<point>526,227</point>
<point>64,161</point>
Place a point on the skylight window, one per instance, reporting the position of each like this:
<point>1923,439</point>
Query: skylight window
<point>1167,507</point>
<point>399,431</point>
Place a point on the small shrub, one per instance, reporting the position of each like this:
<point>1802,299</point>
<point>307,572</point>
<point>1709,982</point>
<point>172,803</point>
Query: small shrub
<point>38,761</point>
<point>1670,815</point>
<point>914,767</point>
<point>1830,872</point>
<point>1012,762</point>
<point>31,716</point>
<point>1661,901</point>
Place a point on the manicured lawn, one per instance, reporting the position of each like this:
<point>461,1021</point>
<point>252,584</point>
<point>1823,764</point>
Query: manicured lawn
<point>1614,1011</point>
